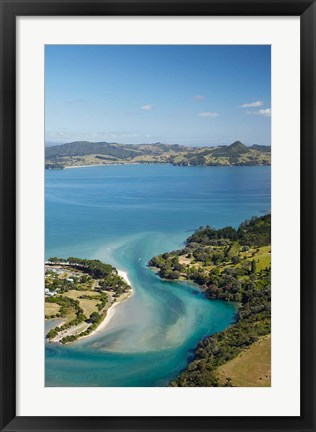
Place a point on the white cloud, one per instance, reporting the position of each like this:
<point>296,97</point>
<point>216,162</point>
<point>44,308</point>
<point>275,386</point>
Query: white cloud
<point>146,107</point>
<point>252,104</point>
<point>199,97</point>
<point>264,112</point>
<point>208,114</point>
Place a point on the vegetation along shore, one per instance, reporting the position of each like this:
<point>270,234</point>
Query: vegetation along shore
<point>233,265</point>
<point>81,293</point>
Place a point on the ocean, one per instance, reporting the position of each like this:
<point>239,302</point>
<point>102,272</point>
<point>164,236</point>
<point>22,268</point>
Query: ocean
<point>124,215</point>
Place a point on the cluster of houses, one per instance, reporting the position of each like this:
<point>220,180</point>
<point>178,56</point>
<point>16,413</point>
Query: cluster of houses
<point>63,263</point>
<point>49,293</point>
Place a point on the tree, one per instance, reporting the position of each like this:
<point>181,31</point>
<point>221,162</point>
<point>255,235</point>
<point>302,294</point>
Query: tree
<point>228,382</point>
<point>236,259</point>
<point>53,259</point>
<point>253,267</point>
<point>95,317</point>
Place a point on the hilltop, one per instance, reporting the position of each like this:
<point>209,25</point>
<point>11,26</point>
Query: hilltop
<point>80,153</point>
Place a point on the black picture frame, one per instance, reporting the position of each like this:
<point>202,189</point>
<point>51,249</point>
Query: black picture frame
<point>10,9</point>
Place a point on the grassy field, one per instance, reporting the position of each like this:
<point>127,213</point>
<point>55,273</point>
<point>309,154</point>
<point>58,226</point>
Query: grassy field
<point>264,258</point>
<point>88,306</point>
<point>76,294</point>
<point>261,255</point>
<point>70,315</point>
<point>251,368</point>
<point>51,309</point>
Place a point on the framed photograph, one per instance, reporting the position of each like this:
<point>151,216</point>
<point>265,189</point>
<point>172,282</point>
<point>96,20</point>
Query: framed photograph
<point>157,222</point>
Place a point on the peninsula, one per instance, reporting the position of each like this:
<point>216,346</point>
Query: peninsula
<point>80,293</point>
<point>231,265</point>
<point>84,153</point>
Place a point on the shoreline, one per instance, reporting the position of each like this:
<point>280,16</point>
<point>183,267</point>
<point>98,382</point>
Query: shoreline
<point>124,275</point>
<point>112,309</point>
<point>159,163</point>
<point>88,166</point>
<point>114,164</point>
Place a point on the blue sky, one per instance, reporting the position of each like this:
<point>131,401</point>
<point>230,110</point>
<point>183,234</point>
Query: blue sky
<point>179,94</point>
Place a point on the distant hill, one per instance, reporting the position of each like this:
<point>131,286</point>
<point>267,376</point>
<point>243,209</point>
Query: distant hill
<point>79,153</point>
<point>84,148</point>
<point>236,148</point>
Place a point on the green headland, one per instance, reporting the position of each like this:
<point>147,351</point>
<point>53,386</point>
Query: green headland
<point>232,265</point>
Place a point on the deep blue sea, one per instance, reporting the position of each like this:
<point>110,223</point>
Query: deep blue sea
<point>124,215</point>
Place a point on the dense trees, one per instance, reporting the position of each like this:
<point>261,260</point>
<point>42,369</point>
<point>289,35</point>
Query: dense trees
<point>96,268</point>
<point>256,232</point>
<point>114,282</point>
<point>219,259</point>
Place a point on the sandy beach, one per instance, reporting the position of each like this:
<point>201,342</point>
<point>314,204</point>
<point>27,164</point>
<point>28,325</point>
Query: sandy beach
<point>124,275</point>
<point>112,309</point>
<point>105,164</point>
<point>87,166</point>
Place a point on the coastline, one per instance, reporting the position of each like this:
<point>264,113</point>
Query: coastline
<point>124,275</point>
<point>112,309</point>
<point>110,164</point>
<point>88,166</point>
<point>161,163</point>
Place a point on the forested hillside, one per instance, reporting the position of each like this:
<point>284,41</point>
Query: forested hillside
<point>232,265</point>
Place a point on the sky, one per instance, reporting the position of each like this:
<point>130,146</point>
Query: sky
<point>194,95</point>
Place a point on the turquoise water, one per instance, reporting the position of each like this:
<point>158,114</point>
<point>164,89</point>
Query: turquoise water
<point>124,215</point>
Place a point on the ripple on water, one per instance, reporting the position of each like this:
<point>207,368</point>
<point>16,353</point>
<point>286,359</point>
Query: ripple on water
<point>153,334</point>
